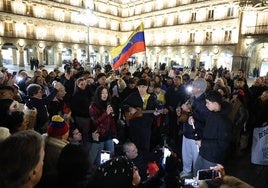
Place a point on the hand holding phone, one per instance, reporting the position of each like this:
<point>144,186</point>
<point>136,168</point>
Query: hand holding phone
<point>105,156</point>
<point>166,152</point>
<point>207,174</point>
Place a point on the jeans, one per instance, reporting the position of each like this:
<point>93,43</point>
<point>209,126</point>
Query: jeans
<point>189,154</point>
<point>202,163</point>
<point>107,145</point>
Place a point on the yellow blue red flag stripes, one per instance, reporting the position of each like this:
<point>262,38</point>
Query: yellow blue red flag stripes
<point>134,44</point>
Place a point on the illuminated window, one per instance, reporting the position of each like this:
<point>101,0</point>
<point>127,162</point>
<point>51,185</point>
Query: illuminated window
<point>20,30</point>
<point>102,23</point>
<point>103,8</point>
<point>148,7</point>
<point>114,11</point>
<point>75,17</point>
<point>114,25</point>
<point>159,4</point>
<point>41,33</point>
<point>138,10</point>
<point>59,15</point>
<point>19,7</point>
<point>75,2</point>
<point>39,12</point>
<point>59,33</point>
<point>170,20</point>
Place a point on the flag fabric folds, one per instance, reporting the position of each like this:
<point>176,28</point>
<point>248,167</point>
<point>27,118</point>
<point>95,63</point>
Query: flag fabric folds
<point>134,44</point>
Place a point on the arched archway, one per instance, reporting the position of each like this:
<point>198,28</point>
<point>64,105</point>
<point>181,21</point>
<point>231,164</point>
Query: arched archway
<point>30,51</point>
<point>225,59</point>
<point>258,57</point>
<point>206,60</point>
<point>9,54</point>
<point>66,55</point>
<point>49,55</point>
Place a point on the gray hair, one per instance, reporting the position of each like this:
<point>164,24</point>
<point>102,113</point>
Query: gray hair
<point>201,84</point>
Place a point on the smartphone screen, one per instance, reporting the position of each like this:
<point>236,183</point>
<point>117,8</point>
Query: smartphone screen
<point>207,174</point>
<point>105,156</point>
<point>167,152</point>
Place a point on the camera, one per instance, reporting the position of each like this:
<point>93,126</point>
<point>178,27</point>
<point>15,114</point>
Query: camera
<point>207,174</point>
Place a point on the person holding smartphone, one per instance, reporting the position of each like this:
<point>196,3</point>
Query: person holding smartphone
<point>101,113</point>
<point>225,180</point>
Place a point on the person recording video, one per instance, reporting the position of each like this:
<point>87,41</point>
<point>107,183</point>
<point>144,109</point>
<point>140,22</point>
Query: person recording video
<point>225,181</point>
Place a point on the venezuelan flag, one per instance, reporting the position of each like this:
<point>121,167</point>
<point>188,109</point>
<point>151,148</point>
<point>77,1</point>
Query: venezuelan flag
<point>134,44</point>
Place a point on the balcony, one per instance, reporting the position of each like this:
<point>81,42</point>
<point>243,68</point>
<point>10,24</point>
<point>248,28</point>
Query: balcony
<point>256,30</point>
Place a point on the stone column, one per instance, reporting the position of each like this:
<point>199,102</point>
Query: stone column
<point>59,59</point>
<point>1,57</point>
<point>75,54</point>
<point>14,56</point>
<point>215,62</point>
<point>21,57</point>
<point>240,59</point>
<point>197,60</point>
<point>41,56</point>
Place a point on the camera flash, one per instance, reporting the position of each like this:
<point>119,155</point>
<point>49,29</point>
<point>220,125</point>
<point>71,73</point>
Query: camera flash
<point>189,89</point>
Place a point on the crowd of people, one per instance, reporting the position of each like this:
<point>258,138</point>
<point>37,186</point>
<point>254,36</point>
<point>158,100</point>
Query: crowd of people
<point>55,126</point>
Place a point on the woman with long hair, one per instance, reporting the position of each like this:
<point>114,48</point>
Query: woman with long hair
<point>101,113</point>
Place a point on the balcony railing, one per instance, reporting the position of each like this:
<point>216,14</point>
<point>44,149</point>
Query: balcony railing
<point>256,30</point>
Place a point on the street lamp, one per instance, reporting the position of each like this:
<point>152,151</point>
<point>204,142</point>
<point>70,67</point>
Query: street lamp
<point>88,19</point>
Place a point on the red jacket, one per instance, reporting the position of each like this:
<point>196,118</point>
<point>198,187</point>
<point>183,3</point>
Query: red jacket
<point>101,121</point>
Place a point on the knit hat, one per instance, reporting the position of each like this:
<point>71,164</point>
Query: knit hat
<point>57,127</point>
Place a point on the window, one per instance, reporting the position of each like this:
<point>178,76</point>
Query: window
<point>228,35</point>
<point>192,37</point>
<point>193,16</point>
<point>8,27</point>
<point>210,14</point>
<point>208,36</point>
<point>230,12</point>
